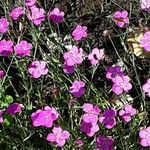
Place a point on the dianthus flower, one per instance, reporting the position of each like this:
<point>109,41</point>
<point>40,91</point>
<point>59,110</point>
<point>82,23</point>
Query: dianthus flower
<point>16,13</point>
<point>79,32</point>
<point>44,117</point>
<point>145,137</point>
<point>56,15</point>
<point>108,118</point>
<point>23,48</point>
<point>96,55</point>
<point>30,2</point>
<point>121,18</point>
<point>91,113</point>
<point>145,5</point>
<point>68,69</point>
<point>89,128</point>
<point>146,87</point>
<point>104,143</point>
<point>14,108</point>
<point>37,15</point>
<point>6,47</point>
<point>2,74</point>
<point>145,41</point>
<point>112,72</point>
<point>121,84</point>
<point>58,136</point>
<point>1,117</point>
<point>79,142</point>
<point>127,112</point>
<point>74,56</point>
<point>77,88</point>
<point>4,24</point>
<point>37,69</point>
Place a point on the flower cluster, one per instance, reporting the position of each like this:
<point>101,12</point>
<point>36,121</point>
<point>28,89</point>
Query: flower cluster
<point>44,117</point>
<point>2,74</point>
<point>4,24</point>
<point>146,87</point>
<point>121,82</point>
<point>14,108</point>
<point>16,13</point>
<point>89,119</point>
<point>121,18</point>
<point>1,117</point>
<point>127,112</point>
<point>145,5</point>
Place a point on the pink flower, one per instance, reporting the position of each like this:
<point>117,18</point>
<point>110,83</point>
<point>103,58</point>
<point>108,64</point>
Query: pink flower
<point>91,113</point>
<point>121,84</point>
<point>44,117</point>
<point>145,5</point>
<point>30,2</point>
<point>2,74</point>
<point>56,15</point>
<point>104,143</point>
<point>58,136</point>
<point>77,88</point>
<point>112,72</point>
<point>68,69</point>
<point>88,128</point>
<point>37,15</point>
<point>16,13</point>
<point>127,112</point>
<point>121,18</point>
<point>96,55</point>
<point>145,137</point>
<point>145,41</point>
<point>23,48</point>
<point>37,69</point>
<point>79,32</point>
<point>108,118</point>
<point>1,117</point>
<point>74,56</point>
<point>4,24</point>
<point>146,87</point>
<point>79,142</point>
<point>14,108</point>
<point>6,47</point>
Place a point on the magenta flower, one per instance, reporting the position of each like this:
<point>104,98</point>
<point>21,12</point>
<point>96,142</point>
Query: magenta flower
<point>145,41</point>
<point>2,74</point>
<point>16,13</point>
<point>121,84</point>
<point>44,117</point>
<point>14,108</point>
<point>127,112</point>
<point>146,87</point>
<point>79,32</point>
<point>1,117</point>
<point>79,142</point>
<point>56,15</point>
<point>30,2</point>
<point>58,136</point>
<point>74,56</point>
<point>77,88</point>
<point>6,47</point>
<point>112,72</point>
<point>121,18</point>
<point>145,5</point>
<point>91,113</point>
<point>68,69</point>
<point>104,143</point>
<point>96,55</point>
<point>23,48</point>
<point>108,118</point>
<point>37,15</point>
<point>145,137</point>
<point>4,24</point>
<point>37,69</point>
<point>88,128</point>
